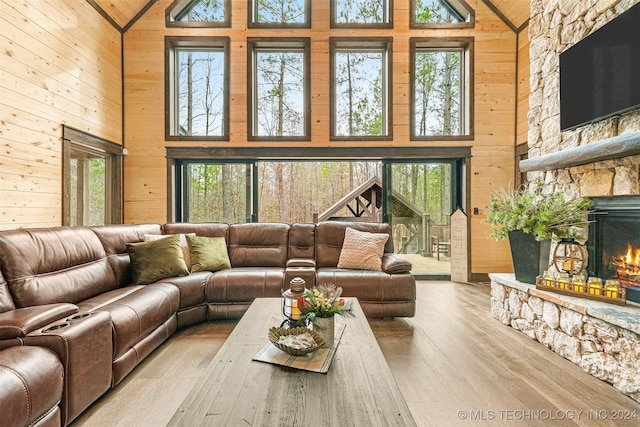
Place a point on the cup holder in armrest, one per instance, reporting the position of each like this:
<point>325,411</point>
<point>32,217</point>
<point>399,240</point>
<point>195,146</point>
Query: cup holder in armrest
<point>78,316</point>
<point>55,327</point>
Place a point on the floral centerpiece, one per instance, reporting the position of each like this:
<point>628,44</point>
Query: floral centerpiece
<point>322,301</point>
<point>319,305</point>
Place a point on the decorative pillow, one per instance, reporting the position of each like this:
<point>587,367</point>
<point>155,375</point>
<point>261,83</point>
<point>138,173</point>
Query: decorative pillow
<point>183,244</point>
<point>362,250</point>
<point>155,260</point>
<point>208,253</point>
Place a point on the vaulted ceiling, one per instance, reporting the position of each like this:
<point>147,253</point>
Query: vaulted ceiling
<point>515,13</point>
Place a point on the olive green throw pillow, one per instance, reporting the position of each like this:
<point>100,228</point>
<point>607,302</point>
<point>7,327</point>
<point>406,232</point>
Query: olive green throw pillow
<point>208,253</point>
<point>155,260</point>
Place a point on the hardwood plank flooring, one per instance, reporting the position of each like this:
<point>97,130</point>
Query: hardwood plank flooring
<point>455,365</point>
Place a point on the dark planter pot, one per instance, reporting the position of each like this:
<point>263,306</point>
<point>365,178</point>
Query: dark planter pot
<point>530,257</point>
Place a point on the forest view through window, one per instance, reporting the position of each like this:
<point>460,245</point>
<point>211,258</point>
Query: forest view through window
<point>313,191</point>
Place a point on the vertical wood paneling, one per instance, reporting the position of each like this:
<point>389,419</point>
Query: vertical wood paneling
<point>60,63</point>
<point>523,86</point>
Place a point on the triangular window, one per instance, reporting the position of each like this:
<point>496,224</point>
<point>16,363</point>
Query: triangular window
<point>199,13</point>
<point>441,13</point>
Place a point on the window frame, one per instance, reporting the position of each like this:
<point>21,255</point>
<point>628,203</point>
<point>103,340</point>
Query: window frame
<point>112,153</point>
<point>466,45</point>
<point>371,43</point>
<point>335,24</point>
<point>470,23</point>
<point>183,4</point>
<point>172,43</point>
<point>252,12</point>
<point>254,45</point>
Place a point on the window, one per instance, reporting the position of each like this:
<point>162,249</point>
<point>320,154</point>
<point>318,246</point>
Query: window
<point>279,13</point>
<point>278,89</point>
<point>441,13</point>
<point>360,88</point>
<point>214,191</point>
<point>197,87</point>
<point>441,76</point>
<point>92,190</point>
<point>362,13</point>
<point>199,13</point>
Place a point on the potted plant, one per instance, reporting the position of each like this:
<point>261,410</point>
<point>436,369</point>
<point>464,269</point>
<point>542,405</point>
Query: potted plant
<point>319,306</point>
<point>531,219</point>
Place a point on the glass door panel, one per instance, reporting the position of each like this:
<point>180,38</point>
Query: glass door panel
<point>420,204</point>
<point>217,192</point>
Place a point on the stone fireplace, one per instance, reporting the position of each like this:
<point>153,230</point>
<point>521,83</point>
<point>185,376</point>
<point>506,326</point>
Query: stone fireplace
<point>601,161</point>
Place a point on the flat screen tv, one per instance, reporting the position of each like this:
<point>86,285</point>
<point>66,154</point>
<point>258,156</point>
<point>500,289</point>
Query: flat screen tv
<point>600,75</point>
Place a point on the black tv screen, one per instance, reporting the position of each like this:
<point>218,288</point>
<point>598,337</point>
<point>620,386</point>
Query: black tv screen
<point>600,75</point>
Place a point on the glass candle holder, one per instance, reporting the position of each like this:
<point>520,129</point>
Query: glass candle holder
<point>612,288</point>
<point>594,286</point>
<point>578,285</point>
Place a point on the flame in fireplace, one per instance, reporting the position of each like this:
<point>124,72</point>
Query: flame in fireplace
<point>628,266</point>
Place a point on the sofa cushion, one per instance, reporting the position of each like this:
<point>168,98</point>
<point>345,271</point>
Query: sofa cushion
<point>207,229</point>
<point>6,300</point>
<point>32,380</point>
<point>54,265</point>
<point>135,311</point>
<point>362,250</point>
<point>369,285</point>
<point>244,284</point>
<point>261,244</point>
<point>155,260</point>
<point>208,253</point>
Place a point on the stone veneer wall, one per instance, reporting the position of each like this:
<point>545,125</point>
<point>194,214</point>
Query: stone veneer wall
<point>605,350</point>
<point>554,26</point>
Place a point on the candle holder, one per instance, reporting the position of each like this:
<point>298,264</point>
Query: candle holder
<point>609,292</point>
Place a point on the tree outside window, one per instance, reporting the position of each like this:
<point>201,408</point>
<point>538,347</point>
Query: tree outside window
<point>198,13</point>
<point>216,192</point>
<point>198,88</point>
<point>376,13</point>
<point>279,89</point>
<point>279,13</point>
<point>441,13</point>
<point>440,101</point>
<point>360,89</point>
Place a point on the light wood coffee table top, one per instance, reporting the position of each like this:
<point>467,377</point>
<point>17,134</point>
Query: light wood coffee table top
<point>358,390</point>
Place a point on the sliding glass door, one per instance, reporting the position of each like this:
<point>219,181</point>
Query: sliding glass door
<point>420,197</point>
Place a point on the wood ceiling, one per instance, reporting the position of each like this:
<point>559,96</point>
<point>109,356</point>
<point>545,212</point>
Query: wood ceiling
<point>121,13</point>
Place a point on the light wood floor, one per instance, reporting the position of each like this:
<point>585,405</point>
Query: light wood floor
<point>454,363</point>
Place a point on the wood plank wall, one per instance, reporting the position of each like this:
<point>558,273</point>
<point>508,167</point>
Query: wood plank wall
<point>60,63</point>
<point>523,86</point>
<point>492,164</point>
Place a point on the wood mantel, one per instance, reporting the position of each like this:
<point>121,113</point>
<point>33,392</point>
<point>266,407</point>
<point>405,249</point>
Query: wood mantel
<point>611,148</point>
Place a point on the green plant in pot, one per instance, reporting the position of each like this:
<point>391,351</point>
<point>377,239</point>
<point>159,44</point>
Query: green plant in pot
<point>531,219</point>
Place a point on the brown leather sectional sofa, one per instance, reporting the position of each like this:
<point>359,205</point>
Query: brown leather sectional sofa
<point>72,326</point>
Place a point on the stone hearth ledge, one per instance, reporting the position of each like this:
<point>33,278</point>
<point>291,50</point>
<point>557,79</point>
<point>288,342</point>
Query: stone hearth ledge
<point>601,338</point>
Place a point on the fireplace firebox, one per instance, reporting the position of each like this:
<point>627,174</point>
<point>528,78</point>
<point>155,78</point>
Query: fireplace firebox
<point>614,241</point>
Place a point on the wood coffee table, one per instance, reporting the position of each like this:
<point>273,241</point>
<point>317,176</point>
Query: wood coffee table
<point>358,389</point>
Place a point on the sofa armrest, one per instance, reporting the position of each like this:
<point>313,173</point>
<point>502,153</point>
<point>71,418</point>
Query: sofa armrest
<point>393,264</point>
<point>301,262</point>
<point>19,322</point>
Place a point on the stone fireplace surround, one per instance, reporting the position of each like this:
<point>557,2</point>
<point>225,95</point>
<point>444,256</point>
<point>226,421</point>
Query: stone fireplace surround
<point>597,160</point>
<point>603,339</point>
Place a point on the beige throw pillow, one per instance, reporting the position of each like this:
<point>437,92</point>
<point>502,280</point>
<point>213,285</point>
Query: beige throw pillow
<point>362,250</point>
